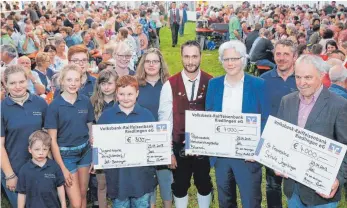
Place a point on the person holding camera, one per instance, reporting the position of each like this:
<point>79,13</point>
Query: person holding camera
<point>29,42</point>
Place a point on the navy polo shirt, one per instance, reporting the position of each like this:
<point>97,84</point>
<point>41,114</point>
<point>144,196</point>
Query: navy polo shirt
<point>131,72</point>
<point>50,73</point>
<point>40,184</point>
<point>108,105</point>
<point>87,89</point>
<point>17,123</point>
<point>70,120</point>
<point>149,97</point>
<point>276,88</point>
<point>123,183</point>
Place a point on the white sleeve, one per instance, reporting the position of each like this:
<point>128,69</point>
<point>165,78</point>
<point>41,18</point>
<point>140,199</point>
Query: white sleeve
<point>37,77</point>
<point>165,105</point>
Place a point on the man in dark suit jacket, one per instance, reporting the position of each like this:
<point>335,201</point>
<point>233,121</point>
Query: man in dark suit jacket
<point>174,21</point>
<point>316,109</point>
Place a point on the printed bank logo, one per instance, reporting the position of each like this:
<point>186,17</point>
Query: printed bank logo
<point>251,119</point>
<point>161,127</point>
<point>335,148</point>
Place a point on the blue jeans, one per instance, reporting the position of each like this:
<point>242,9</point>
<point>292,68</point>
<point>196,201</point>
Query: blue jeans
<point>140,202</point>
<point>295,202</point>
<point>181,29</point>
<point>12,196</point>
<point>165,180</point>
<point>265,62</point>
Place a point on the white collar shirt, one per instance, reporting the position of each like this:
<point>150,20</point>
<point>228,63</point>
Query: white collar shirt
<point>232,97</point>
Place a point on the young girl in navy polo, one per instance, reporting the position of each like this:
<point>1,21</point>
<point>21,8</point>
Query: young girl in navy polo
<point>103,98</point>
<point>152,73</point>
<point>128,187</point>
<point>22,113</point>
<point>69,123</point>
<point>40,181</point>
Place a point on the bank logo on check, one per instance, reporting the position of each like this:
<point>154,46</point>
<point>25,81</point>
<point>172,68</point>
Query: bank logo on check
<point>161,127</point>
<point>335,148</point>
<point>251,119</point>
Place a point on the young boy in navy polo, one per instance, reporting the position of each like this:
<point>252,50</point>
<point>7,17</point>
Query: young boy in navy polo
<point>128,187</point>
<point>40,180</point>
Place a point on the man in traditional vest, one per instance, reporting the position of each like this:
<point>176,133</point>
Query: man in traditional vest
<point>174,20</point>
<point>183,91</point>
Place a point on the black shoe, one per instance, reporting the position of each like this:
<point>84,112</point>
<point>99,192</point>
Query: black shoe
<point>173,45</point>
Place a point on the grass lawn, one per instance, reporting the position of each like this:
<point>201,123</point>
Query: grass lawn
<point>211,65</point>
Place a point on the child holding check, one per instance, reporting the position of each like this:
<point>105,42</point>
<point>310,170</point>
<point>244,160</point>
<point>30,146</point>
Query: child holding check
<point>128,187</point>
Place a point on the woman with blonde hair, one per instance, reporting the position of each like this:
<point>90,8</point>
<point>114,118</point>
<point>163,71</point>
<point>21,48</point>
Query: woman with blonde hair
<point>123,36</point>
<point>122,55</point>
<point>69,120</point>
<point>152,72</point>
<point>60,58</point>
<point>39,32</point>
<point>292,33</point>
<point>43,61</point>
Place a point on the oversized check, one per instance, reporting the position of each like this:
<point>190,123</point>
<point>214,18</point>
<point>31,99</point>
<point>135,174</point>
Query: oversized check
<point>131,145</point>
<point>304,156</point>
<point>222,135</point>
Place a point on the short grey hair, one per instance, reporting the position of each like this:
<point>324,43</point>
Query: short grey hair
<point>10,50</point>
<point>109,48</point>
<point>122,47</point>
<point>59,41</point>
<point>288,43</point>
<point>333,62</point>
<point>338,73</point>
<point>323,26</point>
<point>316,61</point>
<point>238,46</point>
<point>325,21</point>
<point>265,32</point>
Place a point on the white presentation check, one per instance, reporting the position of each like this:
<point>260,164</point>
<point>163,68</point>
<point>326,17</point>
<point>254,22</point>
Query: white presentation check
<point>304,156</point>
<point>222,135</point>
<point>131,145</point>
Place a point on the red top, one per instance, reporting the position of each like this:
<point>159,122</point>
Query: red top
<point>326,81</point>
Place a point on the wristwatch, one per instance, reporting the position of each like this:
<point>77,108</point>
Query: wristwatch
<point>35,82</point>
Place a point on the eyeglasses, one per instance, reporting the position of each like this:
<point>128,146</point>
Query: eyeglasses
<point>77,61</point>
<point>226,60</point>
<point>124,56</point>
<point>153,62</point>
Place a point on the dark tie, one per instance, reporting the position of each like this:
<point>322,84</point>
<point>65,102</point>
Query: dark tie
<point>174,14</point>
<point>193,89</point>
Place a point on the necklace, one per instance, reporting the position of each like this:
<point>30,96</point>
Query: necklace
<point>20,100</point>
